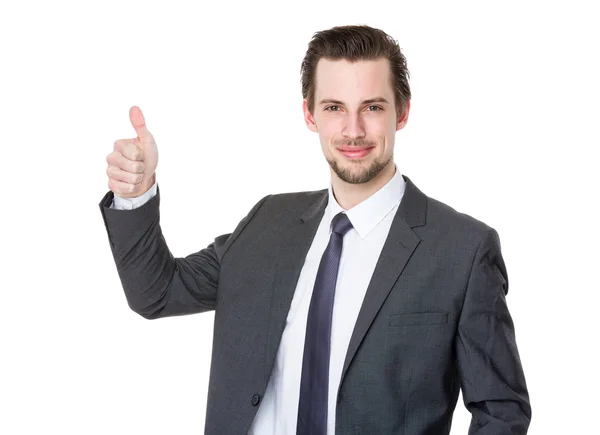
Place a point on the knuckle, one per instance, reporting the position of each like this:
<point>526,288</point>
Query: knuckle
<point>122,163</point>
<point>139,155</point>
<point>138,168</point>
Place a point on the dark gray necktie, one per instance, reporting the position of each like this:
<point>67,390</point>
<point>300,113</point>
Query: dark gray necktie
<point>314,386</point>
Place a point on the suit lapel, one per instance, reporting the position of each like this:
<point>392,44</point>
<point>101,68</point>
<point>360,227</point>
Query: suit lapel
<point>397,249</point>
<point>293,251</point>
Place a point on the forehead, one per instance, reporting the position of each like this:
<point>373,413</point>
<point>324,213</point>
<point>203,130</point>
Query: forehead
<point>343,79</point>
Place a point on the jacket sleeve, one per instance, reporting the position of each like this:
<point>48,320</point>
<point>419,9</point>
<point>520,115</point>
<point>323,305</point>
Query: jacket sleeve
<point>155,283</point>
<point>491,376</point>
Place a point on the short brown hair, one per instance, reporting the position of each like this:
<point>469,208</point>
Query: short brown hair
<point>354,43</point>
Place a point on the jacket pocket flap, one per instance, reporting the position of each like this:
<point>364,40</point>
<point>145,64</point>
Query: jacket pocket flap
<point>418,319</point>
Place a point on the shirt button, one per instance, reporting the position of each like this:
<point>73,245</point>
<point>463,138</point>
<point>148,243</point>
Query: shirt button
<point>255,399</point>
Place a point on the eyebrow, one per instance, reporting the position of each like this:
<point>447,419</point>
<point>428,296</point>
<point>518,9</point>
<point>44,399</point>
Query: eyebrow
<point>369,101</point>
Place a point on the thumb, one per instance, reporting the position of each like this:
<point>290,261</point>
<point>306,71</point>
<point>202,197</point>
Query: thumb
<point>139,124</point>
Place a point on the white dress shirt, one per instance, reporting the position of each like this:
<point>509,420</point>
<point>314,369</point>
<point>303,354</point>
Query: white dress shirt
<point>362,245</point>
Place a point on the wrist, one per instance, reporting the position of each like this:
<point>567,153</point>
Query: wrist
<point>147,185</point>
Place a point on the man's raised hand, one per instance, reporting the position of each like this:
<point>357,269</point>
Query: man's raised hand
<point>133,162</point>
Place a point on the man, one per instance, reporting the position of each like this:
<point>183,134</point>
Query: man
<point>357,309</point>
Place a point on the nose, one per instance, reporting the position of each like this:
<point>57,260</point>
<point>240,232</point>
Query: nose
<point>353,126</point>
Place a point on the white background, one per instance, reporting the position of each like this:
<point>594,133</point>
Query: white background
<point>503,126</point>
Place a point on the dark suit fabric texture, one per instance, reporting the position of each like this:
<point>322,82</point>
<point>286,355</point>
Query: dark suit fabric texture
<point>434,318</point>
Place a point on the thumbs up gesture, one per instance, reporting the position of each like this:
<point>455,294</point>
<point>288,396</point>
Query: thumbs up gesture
<point>132,163</point>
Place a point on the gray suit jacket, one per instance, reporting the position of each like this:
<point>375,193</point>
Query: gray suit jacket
<point>434,318</point>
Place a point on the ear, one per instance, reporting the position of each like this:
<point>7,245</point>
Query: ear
<point>309,119</point>
<point>403,119</point>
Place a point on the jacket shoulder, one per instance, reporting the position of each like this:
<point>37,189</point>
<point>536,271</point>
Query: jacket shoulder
<point>307,195</point>
<point>447,218</point>
<point>295,201</point>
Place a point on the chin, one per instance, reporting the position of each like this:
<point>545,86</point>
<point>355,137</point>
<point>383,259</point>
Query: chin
<point>357,171</point>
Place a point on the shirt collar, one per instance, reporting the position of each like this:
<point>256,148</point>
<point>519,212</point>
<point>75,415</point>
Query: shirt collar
<point>366,215</point>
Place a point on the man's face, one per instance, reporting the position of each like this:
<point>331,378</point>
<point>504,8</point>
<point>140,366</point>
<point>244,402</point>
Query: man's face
<point>355,117</point>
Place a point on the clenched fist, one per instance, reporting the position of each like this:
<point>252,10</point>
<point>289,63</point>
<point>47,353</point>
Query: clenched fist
<point>132,164</point>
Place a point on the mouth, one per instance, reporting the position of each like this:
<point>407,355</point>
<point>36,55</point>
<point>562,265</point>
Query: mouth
<point>354,152</point>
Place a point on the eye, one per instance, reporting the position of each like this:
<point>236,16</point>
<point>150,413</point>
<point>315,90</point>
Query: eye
<point>377,108</point>
<point>332,107</point>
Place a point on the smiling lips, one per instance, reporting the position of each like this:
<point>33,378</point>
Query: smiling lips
<point>355,152</point>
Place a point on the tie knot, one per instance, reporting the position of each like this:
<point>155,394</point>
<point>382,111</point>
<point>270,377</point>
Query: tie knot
<point>341,224</point>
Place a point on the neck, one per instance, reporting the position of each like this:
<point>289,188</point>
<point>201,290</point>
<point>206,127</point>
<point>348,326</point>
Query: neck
<point>348,195</point>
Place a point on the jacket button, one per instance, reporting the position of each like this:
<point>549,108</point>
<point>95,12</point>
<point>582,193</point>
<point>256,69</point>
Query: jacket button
<point>255,399</point>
